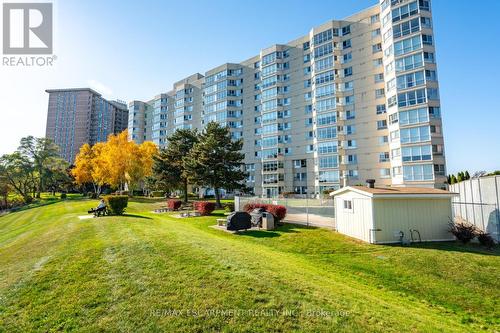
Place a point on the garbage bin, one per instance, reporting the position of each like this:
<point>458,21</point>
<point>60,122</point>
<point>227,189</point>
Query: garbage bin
<point>267,221</point>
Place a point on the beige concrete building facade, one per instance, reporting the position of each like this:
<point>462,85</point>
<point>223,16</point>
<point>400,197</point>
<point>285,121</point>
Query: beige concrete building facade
<point>350,100</point>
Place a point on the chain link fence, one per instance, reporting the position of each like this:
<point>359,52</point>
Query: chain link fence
<point>304,211</point>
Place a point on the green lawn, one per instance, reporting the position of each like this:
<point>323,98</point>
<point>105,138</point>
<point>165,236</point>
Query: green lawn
<point>154,272</point>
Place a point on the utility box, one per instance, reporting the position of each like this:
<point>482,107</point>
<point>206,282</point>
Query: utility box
<point>267,221</point>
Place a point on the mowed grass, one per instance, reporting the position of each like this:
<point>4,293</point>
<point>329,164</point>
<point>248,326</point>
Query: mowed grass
<point>154,272</point>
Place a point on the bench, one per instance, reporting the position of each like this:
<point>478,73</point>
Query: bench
<point>99,211</point>
<point>190,214</point>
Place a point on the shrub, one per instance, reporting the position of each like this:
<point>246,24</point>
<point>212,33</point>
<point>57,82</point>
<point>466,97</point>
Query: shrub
<point>463,230</point>
<point>157,194</point>
<point>174,204</point>
<point>63,196</point>
<point>204,207</point>
<point>485,239</point>
<point>278,211</point>
<point>116,203</point>
<point>228,207</point>
<point>248,207</point>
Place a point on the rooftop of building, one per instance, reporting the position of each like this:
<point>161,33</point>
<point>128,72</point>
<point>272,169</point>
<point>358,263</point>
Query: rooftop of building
<point>72,89</point>
<point>394,191</point>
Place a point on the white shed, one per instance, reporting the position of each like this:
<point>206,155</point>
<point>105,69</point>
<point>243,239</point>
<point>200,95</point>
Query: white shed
<point>390,215</point>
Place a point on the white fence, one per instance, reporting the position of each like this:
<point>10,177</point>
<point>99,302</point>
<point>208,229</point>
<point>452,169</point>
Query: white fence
<point>479,203</point>
<point>305,211</point>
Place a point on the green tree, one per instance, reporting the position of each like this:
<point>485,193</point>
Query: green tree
<point>216,160</point>
<point>448,179</point>
<point>5,189</point>
<point>453,179</point>
<point>43,153</point>
<point>58,176</point>
<point>19,173</point>
<point>460,176</point>
<point>466,175</point>
<point>169,165</point>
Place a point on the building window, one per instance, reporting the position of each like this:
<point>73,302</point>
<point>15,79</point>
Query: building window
<point>414,116</point>
<point>374,18</point>
<point>418,172</point>
<point>406,28</point>
<point>348,204</point>
<point>381,124</point>
<point>427,39</point>
<point>346,30</point>
<point>407,45</point>
<point>404,11</point>
<point>377,48</point>
<point>416,153</point>
<point>385,173</point>
<point>409,62</point>
<point>413,97</point>
<point>415,134</point>
<point>383,157</point>
<point>410,80</point>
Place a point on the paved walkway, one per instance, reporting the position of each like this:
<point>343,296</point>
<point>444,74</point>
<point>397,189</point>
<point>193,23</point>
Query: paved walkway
<point>311,220</point>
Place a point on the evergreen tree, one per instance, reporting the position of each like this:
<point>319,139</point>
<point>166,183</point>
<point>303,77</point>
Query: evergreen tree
<point>169,166</point>
<point>448,179</point>
<point>466,175</point>
<point>453,179</point>
<point>216,160</point>
<point>460,176</point>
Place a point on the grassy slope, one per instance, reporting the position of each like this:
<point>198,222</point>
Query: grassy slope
<point>124,273</point>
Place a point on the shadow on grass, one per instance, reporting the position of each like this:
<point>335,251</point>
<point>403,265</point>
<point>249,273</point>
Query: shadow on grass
<point>284,229</point>
<point>137,216</point>
<point>454,247</point>
<point>147,200</point>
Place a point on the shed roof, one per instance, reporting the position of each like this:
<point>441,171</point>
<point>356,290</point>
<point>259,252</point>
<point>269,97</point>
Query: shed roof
<point>395,191</point>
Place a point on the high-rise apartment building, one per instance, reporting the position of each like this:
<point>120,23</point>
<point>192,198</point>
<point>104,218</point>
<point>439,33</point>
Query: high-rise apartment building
<point>82,115</point>
<point>353,99</point>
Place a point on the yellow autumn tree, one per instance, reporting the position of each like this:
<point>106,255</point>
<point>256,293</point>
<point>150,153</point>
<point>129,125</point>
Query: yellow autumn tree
<point>84,167</point>
<point>100,169</point>
<point>117,157</point>
<point>141,163</point>
<point>117,162</point>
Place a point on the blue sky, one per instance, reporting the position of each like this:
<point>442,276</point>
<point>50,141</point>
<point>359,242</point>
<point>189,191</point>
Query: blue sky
<point>136,49</point>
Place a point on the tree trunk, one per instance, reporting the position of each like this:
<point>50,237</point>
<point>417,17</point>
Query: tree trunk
<point>185,190</point>
<point>217,197</point>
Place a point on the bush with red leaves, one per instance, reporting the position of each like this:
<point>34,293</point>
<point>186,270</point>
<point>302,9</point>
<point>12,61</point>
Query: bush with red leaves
<point>174,204</point>
<point>248,207</point>
<point>204,207</point>
<point>278,211</point>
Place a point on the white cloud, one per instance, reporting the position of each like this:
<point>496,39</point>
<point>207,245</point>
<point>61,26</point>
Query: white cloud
<point>100,88</point>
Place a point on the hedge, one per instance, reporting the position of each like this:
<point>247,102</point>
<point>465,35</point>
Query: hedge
<point>204,207</point>
<point>174,204</point>
<point>157,194</point>
<point>278,211</point>
<point>116,203</point>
